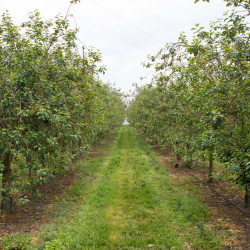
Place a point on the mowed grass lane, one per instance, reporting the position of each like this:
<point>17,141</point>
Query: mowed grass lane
<point>131,204</point>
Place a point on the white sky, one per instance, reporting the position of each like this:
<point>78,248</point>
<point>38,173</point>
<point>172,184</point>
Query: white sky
<point>162,20</point>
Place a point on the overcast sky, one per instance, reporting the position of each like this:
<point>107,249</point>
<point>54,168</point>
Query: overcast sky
<point>125,31</point>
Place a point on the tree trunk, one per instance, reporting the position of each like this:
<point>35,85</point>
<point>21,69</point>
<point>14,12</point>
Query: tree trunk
<point>74,149</point>
<point>7,201</point>
<point>190,155</point>
<point>170,149</point>
<point>80,145</point>
<point>178,156</point>
<point>190,163</point>
<point>30,167</point>
<point>247,199</point>
<point>210,168</point>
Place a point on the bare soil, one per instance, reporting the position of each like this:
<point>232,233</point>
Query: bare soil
<point>224,216</point>
<point>39,210</point>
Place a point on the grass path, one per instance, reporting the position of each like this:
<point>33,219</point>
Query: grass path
<point>132,204</point>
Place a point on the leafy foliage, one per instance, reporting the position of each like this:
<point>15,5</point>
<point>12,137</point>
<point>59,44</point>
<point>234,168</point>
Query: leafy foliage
<point>198,100</point>
<point>52,107</point>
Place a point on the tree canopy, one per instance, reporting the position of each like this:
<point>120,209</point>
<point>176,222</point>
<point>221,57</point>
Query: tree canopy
<point>198,100</point>
<point>52,105</point>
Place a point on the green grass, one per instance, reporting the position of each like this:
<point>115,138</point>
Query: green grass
<point>130,203</point>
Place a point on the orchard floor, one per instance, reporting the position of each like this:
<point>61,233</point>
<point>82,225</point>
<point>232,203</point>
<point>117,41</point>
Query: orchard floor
<point>126,198</point>
<point>40,210</point>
